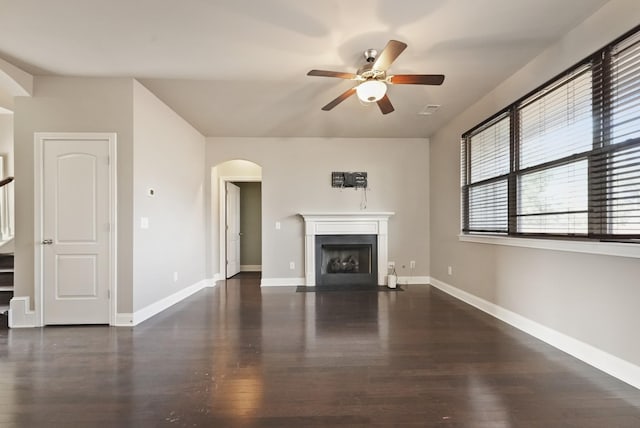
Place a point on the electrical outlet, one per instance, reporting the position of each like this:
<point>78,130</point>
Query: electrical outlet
<point>175,276</point>
<point>292,265</point>
<point>412,264</point>
<point>450,270</point>
<point>391,265</point>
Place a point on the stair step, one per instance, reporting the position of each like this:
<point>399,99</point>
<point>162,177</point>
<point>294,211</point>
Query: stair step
<point>6,261</point>
<point>6,287</point>
<point>6,279</point>
<point>4,317</point>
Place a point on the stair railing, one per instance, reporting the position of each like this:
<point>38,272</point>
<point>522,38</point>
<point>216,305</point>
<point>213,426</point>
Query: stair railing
<point>6,213</point>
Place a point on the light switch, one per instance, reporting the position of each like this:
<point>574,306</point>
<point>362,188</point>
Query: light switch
<point>144,222</point>
<point>277,225</point>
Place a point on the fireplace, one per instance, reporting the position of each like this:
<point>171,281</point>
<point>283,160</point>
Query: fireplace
<point>360,228</point>
<point>346,260</point>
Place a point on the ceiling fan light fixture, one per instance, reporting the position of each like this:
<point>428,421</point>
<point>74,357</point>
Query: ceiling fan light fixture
<point>371,91</point>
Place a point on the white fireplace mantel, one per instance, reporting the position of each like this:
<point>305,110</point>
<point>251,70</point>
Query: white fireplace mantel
<point>350,223</point>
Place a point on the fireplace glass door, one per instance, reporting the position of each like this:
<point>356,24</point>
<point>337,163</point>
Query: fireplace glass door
<point>346,260</point>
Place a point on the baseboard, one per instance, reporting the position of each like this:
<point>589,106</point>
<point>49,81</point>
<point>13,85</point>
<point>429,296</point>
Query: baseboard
<point>278,282</point>
<point>20,316</point>
<point>124,320</point>
<point>610,364</point>
<point>159,306</point>
<point>250,268</point>
<point>402,280</point>
<point>287,282</point>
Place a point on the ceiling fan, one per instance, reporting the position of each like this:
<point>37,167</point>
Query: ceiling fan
<point>373,79</point>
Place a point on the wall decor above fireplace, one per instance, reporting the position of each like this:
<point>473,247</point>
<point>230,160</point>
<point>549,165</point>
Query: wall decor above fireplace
<point>349,179</point>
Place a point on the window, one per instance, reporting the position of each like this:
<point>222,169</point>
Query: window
<point>564,161</point>
<point>488,168</point>
<point>622,165</point>
<point>555,137</point>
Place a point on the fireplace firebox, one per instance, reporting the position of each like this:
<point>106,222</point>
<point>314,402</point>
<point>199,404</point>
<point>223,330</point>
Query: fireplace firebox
<point>346,260</point>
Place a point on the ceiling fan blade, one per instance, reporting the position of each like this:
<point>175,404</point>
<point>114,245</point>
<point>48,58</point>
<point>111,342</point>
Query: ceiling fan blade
<point>340,99</point>
<point>325,73</point>
<point>389,54</point>
<point>417,79</point>
<point>385,105</point>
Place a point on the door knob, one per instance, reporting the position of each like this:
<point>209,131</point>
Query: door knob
<point>47,242</point>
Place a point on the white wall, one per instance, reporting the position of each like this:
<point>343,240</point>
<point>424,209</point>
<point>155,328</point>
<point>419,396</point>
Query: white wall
<point>296,177</point>
<point>168,158</point>
<point>591,298</point>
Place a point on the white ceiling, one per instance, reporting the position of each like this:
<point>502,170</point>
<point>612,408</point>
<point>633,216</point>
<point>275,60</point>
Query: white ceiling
<point>238,67</point>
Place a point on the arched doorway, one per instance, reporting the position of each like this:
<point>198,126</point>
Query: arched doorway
<point>244,230</point>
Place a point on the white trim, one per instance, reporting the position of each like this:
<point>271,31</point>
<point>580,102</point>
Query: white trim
<point>347,223</point>
<point>129,319</point>
<point>608,363</point>
<point>417,280</point>
<point>216,277</point>
<point>209,282</point>
<point>281,282</point>
<point>124,320</point>
<point>9,243</point>
<point>20,316</point>
<point>163,304</point>
<point>38,213</point>
<point>250,268</point>
<point>620,249</point>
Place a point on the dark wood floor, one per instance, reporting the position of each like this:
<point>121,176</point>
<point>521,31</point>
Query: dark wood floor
<point>238,355</point>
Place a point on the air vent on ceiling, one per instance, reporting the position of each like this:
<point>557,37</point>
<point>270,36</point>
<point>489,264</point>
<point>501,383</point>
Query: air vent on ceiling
<point>429,109</point>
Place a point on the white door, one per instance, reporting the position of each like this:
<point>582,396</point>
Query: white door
<point>75,230</point>
<point>233,230</point>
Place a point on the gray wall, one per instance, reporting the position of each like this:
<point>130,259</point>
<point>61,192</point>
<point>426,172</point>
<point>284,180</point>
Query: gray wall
<point>296,177</point>
<point>68,104</point>
<point>593,298</point>
<point>250,223</point>
<point>168,158</point>
<point>168,155</point>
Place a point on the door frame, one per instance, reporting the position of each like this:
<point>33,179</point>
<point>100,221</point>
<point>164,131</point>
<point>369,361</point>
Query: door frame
<point>222,196</point>
<point>40,138</point>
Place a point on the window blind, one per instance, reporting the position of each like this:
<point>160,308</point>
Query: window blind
<point>487,158</point>
<point>557,121</point>
<point>489,150</point>
<point>555,136</point>
<point>622,163</point>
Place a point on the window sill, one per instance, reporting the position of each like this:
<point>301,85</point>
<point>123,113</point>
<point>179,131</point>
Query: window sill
<point>619,249</point>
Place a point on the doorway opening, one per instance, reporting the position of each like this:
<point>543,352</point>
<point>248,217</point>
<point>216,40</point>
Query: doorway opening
<point>237,190</point>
